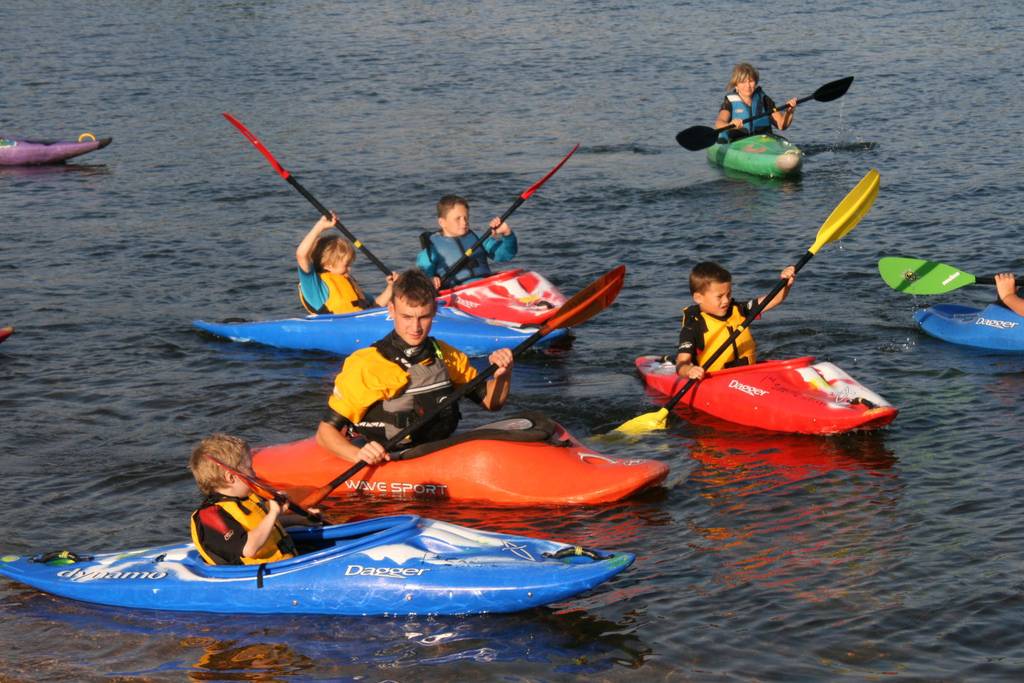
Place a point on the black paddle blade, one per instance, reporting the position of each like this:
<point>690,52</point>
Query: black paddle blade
<point>834,90</point>
<point>696,138</point>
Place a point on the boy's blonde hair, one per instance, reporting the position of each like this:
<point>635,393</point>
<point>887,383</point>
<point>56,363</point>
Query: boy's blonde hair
<point>742,72</point>
<point>230,450</point>
<point>448,202</point>
<point>706,273</point>
<point>331,248</point>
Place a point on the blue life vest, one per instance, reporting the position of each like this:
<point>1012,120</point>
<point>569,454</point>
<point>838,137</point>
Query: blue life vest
<point>761,124</point>
<point>451,249</point>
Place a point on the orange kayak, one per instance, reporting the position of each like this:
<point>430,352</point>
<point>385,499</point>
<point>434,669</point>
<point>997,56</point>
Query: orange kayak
<point>6,332</point>
<point>482,464</point>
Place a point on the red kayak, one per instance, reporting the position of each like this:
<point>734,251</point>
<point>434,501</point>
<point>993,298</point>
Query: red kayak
<point>519,461</point>
<point>516,296</point>
<point>797,396</point>
<point>6,332</point>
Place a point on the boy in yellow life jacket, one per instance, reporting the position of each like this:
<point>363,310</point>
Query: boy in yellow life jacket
<point>325,283</point>
<point>386,387</point>
<point>234,525</point>
<point>711,320</point>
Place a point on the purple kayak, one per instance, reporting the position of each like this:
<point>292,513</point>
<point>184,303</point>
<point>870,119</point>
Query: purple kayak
<point>15,152</point>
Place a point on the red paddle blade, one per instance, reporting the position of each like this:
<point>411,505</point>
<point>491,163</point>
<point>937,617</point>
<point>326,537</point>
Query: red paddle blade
<point>533,188</point>
<point>265,490</point>
<point>262,489</point>
<point>257,144</point>
<point>588,302</point>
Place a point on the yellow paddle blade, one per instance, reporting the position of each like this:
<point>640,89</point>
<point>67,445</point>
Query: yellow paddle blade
<point>850,211</point>
<point>648,422</point>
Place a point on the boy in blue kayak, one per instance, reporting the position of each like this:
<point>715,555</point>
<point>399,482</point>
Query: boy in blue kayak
<point>326,284</point>
<point>1006,288</point>
<point>713,317</point>
<point>234,525</point>
<point>744,99</point>
<point>442,249</point>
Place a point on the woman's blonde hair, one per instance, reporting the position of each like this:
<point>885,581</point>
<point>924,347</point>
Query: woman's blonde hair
<point>742,72</point>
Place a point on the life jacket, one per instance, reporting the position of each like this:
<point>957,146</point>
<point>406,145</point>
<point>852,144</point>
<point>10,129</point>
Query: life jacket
<point>743,349</point>
<point>343,295</point>
<point>248,512</point>
<point>451,249</point>
<point>429,385</point>
<point>740,110</point>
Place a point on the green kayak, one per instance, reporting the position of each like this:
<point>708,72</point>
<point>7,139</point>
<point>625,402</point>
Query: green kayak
<point>770,156</point>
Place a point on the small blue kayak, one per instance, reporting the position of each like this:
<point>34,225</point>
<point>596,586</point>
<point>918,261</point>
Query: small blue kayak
<point>994,327</point>
<point>387,566</point>
<point>347,332</point>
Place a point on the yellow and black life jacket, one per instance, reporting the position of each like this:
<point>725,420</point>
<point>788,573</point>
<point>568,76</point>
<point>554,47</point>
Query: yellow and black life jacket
<point>344,295</point>
<point>248,512</point>
<point>741,351</point>
<point>429,385</point>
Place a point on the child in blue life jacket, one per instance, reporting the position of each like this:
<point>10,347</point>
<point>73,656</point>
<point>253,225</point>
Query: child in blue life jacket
<point>708,323</point>
<point>745,99</point>
<point>442,249</point>
<point>325,283</point>
<point>233,525</point>
<point>1006,287</point>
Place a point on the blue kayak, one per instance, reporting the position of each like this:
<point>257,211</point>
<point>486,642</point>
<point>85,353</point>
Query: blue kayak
<point>347,332</point>
<point>386,566</point>
<point>994,327</point>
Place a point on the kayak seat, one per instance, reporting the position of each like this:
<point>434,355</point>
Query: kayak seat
<point>525,426</point>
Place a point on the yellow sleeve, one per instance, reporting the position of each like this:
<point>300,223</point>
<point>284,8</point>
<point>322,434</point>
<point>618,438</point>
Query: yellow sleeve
<point>459,368</point>
<point>365,378</point>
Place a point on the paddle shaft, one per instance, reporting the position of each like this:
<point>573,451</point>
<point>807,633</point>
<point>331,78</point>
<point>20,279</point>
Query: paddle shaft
<point>287,175</point>
<point>700,137</point>
<point>825,93</point>
<point>327,214</point>
<point>280,497</point>
<point>468,253</point>
<point>754,312</point>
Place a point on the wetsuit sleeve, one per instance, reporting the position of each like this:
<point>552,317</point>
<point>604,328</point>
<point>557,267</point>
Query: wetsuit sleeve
<point>502,250</point>
<point>313,289</point>
<point>726,105</point>
<point>221,536</point>
<point>691,337</point>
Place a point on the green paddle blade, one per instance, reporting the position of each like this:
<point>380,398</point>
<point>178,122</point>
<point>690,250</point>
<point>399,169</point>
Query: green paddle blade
<point>916,276</point>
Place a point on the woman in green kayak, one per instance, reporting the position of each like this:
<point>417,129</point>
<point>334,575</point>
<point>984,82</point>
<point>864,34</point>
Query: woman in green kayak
<point>744,100</point>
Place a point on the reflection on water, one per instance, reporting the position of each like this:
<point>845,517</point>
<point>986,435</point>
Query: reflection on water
<point>799,513</point>
<point>272,647</point>
<point>54,169</point>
